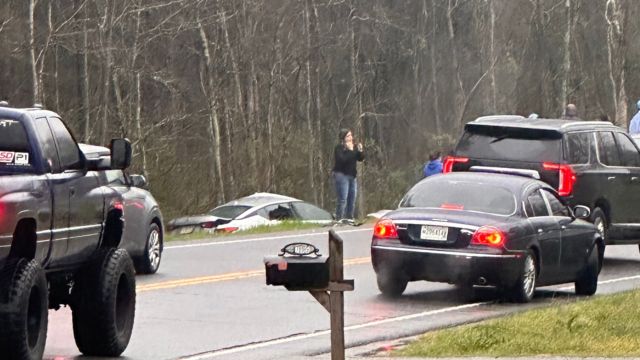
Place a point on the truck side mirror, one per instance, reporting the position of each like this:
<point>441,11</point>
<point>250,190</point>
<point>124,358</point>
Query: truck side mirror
<point>120,153</point>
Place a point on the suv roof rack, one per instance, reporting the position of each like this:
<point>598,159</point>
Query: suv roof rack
<point>509,171</point>
<point>498,117</point>
<point>590,123</point>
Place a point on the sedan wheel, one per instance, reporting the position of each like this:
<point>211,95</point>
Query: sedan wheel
<point>390,283</point>
<point>149,262</point>
<point>526,284</point>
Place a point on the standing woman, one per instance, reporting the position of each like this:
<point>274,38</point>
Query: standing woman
<point>344,174</point>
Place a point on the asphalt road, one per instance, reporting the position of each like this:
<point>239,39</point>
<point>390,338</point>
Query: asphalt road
<point>209,300</point>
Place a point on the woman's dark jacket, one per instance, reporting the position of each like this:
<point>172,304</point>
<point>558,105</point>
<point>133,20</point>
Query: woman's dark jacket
<point>345,160</point>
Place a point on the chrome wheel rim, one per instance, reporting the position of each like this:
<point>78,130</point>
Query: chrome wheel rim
<point>529,276</point>
<point>154,248</point>
<point>599,223</point>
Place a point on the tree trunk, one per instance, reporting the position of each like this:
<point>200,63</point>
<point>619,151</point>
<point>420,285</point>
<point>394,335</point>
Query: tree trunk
<point>566,61</point>
<point>615,16</point>
<point>492,54</point>
<point>106,31</point>
<point>311,148</point>
<point>357,91</point>
<point>213,124</point>
<point>32,53</point>
<point>434,65</point>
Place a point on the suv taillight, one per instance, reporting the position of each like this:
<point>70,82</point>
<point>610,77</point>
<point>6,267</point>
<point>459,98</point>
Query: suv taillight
<point>566,177</point>
<point>449,161</point>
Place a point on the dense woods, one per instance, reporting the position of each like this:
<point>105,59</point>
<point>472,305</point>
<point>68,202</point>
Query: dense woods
<point>223,98</point>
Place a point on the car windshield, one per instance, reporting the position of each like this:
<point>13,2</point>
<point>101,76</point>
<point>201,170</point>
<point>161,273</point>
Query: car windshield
<point>229,211</point>
<point>510,144</point>
<point>461,195</point>
<point>14,147</point>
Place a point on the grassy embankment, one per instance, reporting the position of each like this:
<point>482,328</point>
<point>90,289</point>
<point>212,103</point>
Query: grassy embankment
<point>604,326</point>
<point>284,226</point>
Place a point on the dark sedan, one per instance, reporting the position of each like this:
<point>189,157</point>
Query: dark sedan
<point>468,229</point>
<point>142,235</point>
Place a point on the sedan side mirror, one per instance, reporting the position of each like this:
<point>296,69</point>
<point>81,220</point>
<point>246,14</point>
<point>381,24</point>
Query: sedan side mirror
<point>582,212</point>
<point>120,153</point>
<point>138,181</point>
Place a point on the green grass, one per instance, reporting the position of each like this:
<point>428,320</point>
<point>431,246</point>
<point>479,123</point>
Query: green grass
<point>604,326</point>
<point>283,226</point>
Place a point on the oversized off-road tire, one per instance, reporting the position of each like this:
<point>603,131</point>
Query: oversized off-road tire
<point>524,288</point>
<point>149,262</point>
<point>24,310</point>
<point>391,283</point>
<point>587,282</point>
<point>103,307</point>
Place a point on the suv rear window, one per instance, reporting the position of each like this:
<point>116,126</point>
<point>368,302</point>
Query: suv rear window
<point>461,195</point>
<point>14,147</point>
<point>513,144</point>
<point>579,147</point>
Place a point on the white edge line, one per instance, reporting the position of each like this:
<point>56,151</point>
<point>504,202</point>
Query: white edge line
<point>260,239</point>
<point>216,353</point>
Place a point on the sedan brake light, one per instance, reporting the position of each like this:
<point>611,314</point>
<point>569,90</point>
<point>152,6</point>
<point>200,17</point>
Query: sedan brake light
<point>489,235</point>
<point>567,177</point>
<point>449,161</point>
<point>208,225</point>
<point>385,228</point>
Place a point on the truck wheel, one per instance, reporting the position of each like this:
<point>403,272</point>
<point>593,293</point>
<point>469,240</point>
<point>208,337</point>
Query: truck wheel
<point>149,262</point>
<point>587,282</point>
<point>23,322</point>
<point>390,283</point>
<point>525,286</point>
<point>104,300</point>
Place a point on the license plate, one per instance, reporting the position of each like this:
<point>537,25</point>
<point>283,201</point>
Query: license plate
<point>431,232</point>
<point>186,230</point>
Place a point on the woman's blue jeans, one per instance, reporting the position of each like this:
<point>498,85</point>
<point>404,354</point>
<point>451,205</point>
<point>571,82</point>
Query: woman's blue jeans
<point>346,190</point>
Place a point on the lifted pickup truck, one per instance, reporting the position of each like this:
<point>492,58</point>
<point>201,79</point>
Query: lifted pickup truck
<point>59,236</point>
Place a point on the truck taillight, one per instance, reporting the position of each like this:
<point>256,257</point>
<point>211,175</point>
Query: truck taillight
<point>449,161</point>
<point>566,177</point>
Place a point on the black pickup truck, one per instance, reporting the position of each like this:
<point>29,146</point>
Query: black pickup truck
<point>59,236</point>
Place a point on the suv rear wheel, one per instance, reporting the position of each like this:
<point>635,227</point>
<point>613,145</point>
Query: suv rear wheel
<point>599,220</point>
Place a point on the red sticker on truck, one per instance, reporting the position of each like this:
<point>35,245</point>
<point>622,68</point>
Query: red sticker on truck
<point>6,156</point>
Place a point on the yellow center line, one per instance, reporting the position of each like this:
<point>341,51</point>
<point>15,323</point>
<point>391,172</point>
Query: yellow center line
<point>223,277</point>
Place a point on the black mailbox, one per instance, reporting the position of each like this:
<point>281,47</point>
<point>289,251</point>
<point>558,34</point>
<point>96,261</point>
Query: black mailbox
<point>299,266</point>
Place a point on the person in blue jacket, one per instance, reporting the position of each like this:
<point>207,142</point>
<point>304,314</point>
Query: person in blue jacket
<point>434,166</point>
<point>634,124</point>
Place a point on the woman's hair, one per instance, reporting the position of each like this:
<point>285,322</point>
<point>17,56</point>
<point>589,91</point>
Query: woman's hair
<point>434,155</point>
<point>342,134</point>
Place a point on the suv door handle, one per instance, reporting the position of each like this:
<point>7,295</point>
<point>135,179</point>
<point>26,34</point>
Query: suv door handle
<point>611,178</point>
<point>634,178</point>
<point>540,231</point>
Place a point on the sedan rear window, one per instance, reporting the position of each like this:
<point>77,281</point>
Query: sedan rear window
<point>502,143</point>
<point>229,211</point>
<point>461,195</point>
